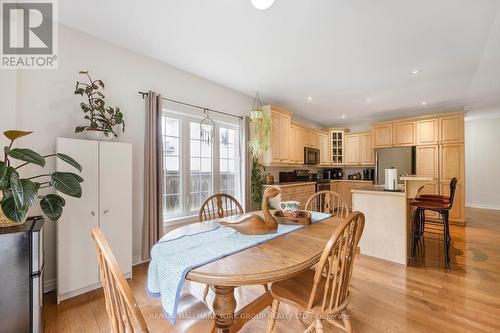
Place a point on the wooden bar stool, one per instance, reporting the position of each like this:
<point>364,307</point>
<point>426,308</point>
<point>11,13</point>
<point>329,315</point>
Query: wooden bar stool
<point>437,203</point>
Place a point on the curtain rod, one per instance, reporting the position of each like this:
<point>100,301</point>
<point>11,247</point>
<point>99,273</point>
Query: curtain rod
<point>194,106</point>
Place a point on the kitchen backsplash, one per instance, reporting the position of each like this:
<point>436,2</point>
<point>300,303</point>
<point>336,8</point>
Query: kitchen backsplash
<point>274,171</point>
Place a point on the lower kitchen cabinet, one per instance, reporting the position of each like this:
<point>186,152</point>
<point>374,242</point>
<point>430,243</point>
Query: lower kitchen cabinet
<point>343,188</point>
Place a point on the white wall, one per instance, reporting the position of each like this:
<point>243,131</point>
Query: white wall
<point>44,103</point>
<point>482,158</point>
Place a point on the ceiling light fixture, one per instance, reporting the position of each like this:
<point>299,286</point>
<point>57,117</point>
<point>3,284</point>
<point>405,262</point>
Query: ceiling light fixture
<point>368,101</point>
<point>343,116</point>
<point>424,103</point>
<point>415,72</point>
<point>309,98</point>
<point>262,4</point>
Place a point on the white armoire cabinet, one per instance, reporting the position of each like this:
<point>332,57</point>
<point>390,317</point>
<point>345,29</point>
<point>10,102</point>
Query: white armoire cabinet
<point>106,203</point>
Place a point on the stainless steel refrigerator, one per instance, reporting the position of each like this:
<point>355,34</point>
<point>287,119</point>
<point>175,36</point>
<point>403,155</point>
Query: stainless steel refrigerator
<point>21,270</point>
<point>401,158</point>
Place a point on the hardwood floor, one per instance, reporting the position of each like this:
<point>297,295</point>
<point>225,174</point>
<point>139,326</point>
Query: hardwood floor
<point>385,297</point>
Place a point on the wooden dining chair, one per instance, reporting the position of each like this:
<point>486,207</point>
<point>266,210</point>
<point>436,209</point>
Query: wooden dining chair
<point>329,202</point>
<point>125,315</point>
<point>324,292</point>
<point>218,206</point>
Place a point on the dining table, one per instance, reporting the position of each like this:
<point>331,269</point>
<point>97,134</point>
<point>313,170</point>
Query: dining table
<point>277,259</point>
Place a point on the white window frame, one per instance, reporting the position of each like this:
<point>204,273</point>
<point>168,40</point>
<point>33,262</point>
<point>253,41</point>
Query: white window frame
<point>185,156</point>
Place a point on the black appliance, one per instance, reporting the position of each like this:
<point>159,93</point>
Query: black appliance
<point>311,155</point>
<point>287,176</point>
<point>369,174</point>
<point>21,270</point>
<point>302,175</point>
<point>335,173</point>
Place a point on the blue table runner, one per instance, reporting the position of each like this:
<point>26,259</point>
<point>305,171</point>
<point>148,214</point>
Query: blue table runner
<point>172,259</point>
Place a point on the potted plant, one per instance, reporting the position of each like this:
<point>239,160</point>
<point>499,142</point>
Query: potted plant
<point>19,194</point>
<point>261,129</point>
<point>102,119</point>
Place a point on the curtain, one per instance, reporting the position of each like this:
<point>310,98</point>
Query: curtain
<point>152,227</point>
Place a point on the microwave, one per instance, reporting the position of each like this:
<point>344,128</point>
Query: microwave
<point>311,155</point>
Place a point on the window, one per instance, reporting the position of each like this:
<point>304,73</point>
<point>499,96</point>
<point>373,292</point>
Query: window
<point>193,169</point>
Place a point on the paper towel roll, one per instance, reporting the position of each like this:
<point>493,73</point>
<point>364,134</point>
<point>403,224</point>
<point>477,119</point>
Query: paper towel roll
<point>391,179</point>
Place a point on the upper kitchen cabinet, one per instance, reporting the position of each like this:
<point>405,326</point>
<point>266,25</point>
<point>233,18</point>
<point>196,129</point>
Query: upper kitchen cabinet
<point>428,132</point>
<point>428,161</point>
<point>279,151</point>
<point>451,129</point>
<point>404,133</point>
<point>351,149</point>
<point>359,149</point>
<point>337,146</point>
<point>382,135</point>
<point>296,147</point>
<point>366,153</point>
<point>312,138</point>
<point>324,151</point>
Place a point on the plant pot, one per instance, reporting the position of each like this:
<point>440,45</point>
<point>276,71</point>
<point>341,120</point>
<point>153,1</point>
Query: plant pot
<point>5,222</point>
<point>97,135</point>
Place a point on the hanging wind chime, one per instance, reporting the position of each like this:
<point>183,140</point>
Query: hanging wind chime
<point>207,128</point>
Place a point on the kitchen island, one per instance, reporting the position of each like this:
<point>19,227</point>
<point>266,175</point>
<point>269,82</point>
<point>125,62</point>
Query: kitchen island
<point>387,224</point>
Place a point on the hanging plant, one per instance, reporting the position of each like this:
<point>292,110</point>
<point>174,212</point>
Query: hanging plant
<point>101,118</point>
<point>261,129</point>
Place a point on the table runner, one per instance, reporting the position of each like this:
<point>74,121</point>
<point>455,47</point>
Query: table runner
<point>172,259</point>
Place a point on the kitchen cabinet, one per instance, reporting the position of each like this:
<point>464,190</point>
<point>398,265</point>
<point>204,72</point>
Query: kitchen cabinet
<point>382,135</point>
<point>428,161</point>
<point>366,152</point>
<point>106,202</point>
<point>451,162</point>
<point>344,187</point>
<point>359,149</point>
<point>337,146</point>
<point>312,138</point>
<point>428,132</point>
<point>404,134</point>
<point>324,150</point>
<point>351,149</point>
<point>280,148</point>
<point>294,147</point>
<point>451,129</point>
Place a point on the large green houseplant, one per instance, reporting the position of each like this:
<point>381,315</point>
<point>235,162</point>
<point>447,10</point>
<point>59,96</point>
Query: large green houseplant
<point>101,118</point>
<point>19,194</point>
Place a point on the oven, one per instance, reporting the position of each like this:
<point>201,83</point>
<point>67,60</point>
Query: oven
<point>311,155</point>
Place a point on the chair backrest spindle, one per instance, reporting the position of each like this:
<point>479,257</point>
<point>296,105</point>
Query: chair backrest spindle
<point>329,202</point>
<point>218,206</point>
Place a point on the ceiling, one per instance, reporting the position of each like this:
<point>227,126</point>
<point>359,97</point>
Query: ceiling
<point>354,58</point>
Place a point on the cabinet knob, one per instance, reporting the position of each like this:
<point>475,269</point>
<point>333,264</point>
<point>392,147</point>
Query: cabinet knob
<point>92,213</point>
<point>105,211</point>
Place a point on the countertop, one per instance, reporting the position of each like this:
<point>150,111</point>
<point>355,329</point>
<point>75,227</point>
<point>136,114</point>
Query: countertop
<point>377,189</point>
<point>417,178</point>
<point>292,183</point>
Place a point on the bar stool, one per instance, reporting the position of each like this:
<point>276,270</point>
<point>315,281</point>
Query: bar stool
<point>437,203</point>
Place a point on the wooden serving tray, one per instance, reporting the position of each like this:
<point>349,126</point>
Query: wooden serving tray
<point>303,218</point>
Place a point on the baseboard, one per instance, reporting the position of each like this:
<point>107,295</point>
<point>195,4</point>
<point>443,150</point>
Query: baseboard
<point>481,206</point>
<point>137,260</point>
<point>49,285</point>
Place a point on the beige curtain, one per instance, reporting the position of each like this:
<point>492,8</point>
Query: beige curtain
<point>152,225</point>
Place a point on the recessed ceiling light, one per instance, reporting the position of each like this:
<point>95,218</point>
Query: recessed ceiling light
<point>424,103</point>
<point>415,72</point>
<point>342,116</point>
<point>368,101</point>
<point>262,4</point>
<point>309,98</point>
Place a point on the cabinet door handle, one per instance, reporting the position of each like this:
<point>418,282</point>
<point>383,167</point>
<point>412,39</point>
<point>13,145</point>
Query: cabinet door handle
<point>105,211</point>
<point>92,213</point>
